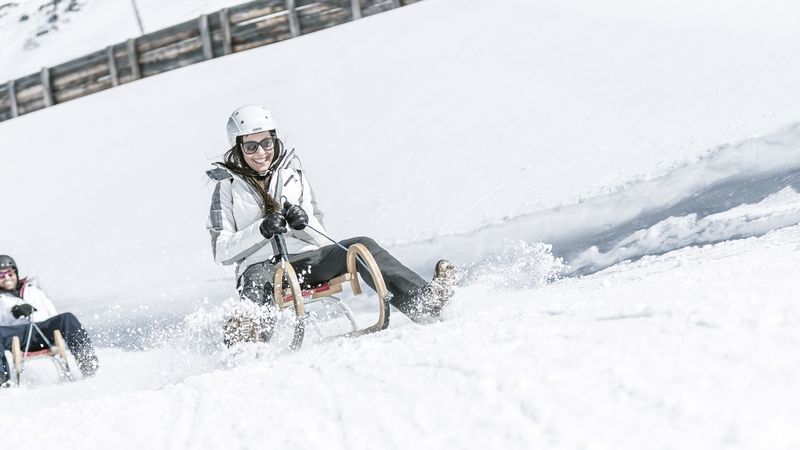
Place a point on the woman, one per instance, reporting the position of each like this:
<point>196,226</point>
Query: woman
<point>22,302</point>
<point>255,179</point>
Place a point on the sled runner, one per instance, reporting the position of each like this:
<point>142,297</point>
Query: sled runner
<point>56,351</point>
<point>288,293</point>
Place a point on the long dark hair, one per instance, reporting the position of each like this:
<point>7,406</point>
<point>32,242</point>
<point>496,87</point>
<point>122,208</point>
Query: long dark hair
<point>234,161</point>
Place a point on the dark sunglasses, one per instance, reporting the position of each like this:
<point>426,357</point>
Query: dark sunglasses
<point>3,273</point>
<point>251,147</point>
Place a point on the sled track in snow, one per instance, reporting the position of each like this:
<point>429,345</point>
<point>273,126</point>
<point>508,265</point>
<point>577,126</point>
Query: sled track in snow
<point>718,198</point>
<point>735,191</point>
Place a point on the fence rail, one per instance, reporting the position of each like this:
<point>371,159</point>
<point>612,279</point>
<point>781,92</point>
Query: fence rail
<point>230,30</point>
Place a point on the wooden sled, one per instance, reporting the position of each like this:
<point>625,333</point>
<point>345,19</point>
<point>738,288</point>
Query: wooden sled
<point>55,351</point>
<point>294,296</point>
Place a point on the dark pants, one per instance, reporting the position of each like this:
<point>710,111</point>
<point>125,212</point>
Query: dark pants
<point>75,335</point>
<point>322,265</point>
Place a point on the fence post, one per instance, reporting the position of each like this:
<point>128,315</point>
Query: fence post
<point>12,97</point>
<point>48,90</point>
<point>133,59</point>
<point>294,24</point>
<point>112,66</point>
<point>355,8</point>
<point>205,37</point>
<point>226,32</point>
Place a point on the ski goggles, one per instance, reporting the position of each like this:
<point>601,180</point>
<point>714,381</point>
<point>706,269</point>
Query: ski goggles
<point>5,273</point>
<point>251,147</point>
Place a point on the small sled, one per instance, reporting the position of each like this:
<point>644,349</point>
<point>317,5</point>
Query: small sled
<point>287,293</point>
<point>55,351</point>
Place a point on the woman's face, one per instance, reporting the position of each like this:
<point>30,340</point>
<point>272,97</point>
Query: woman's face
<point>8,279</point>
<point>263,150</point>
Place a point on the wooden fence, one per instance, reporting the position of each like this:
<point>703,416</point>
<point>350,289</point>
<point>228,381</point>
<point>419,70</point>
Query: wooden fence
<point>227,31</point>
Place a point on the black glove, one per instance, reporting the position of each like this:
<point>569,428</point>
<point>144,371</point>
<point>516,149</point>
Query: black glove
<point>297,218</point>
<point>273,224</point>
<point>23,310</point>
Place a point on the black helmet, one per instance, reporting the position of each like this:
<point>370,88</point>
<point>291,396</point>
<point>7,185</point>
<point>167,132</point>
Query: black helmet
<point>8,262</point>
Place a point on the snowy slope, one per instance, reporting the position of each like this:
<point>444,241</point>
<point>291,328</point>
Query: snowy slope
<point>694,349</point>
<point>561,128</point>
<point>45,33</point>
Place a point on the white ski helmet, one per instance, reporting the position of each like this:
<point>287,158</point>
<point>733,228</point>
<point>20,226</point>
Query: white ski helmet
<point>249,119</point>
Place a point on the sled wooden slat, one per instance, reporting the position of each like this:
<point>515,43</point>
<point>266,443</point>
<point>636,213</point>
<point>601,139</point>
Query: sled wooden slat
<point>341,279</point>
<point>287,271</point>
<point>61,346</point>
<point>324,290</point>
<point>284,272</point>
<point>360,252</point>
<point>37,354</point>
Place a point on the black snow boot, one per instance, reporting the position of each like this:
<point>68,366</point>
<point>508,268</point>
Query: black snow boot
<point>88,365</point>
<point>443,284</point>
<point>244,327</point>
<point>433,297</point>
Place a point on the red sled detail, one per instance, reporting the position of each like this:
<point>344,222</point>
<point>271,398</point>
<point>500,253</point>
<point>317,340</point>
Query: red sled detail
<point>308,292</point>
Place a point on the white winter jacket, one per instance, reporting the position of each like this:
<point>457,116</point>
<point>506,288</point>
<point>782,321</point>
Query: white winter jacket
<point>236,215</point>
<point>29,294</point>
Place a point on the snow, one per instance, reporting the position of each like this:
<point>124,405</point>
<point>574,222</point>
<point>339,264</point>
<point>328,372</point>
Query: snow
<point>619,183</point>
